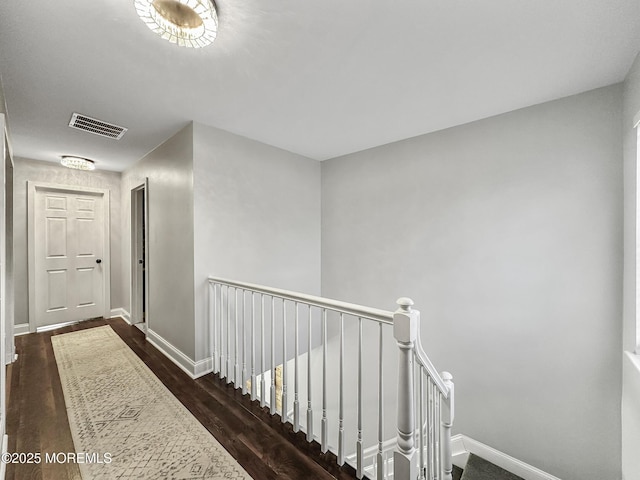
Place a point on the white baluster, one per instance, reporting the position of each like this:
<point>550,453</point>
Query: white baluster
<point>236,368</point>
<point>309,410</point>
<point>244,344</point>
<point>436,433</point>
<point>221,337</point>
<point>218,316</point>
<point>284,362</point>
<point>228,372</point>
<point>263,362</point>
<point>421,432</point>
<point>341,408</point>
<point>272,407</point>
<point>379,456</point>
<point>296,401</point>
<point>324,443</point>
<point>447,414</point>
<point>359,459</point>
<point>405,325</point>
<point>432,422</point>
<point>253,348</point>
<point>386,465</point>
<point>212,323</point>
<point>417,369</point>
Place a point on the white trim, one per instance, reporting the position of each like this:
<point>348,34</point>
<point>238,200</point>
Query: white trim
<point>32,187</point>
<point>634,358</point>
<point>459,452</point>
<point>462,446</point>
<point>142,326</point>
<point>191,368</point>
<point>7,137</point>
<point>122,313</point>
<point>202,367</point>
<point>136,308</point>
<point>5,449</point>
<point>46,328</point>
<point>21,329</point>
<point>3,283</point>
<point>636,257</point>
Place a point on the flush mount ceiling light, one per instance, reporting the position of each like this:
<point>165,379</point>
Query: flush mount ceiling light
<point>78,163</point>
<point>188,23</point>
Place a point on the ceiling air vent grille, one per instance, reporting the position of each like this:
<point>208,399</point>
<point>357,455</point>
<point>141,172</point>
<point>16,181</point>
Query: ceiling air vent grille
<point>92,125</point>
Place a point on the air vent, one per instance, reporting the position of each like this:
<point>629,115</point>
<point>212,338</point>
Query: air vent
<point>91,125</point>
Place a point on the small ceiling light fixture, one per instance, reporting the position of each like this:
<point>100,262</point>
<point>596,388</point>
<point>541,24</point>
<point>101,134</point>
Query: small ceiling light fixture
<point>188,23</point>
<point>78,163</point>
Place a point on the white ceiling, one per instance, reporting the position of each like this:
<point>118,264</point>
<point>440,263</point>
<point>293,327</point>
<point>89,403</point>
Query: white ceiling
<point>319,78</point>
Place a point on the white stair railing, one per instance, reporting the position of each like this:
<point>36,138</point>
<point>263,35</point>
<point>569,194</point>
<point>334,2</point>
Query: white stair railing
<point>252,323</point>
<point>434,405</point>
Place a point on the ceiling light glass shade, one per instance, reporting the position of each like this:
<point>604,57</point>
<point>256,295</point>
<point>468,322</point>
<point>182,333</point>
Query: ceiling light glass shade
<point>78,163</point>
<point>187,23</point>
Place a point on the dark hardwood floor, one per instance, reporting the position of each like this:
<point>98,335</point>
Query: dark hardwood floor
<point>37,418</point>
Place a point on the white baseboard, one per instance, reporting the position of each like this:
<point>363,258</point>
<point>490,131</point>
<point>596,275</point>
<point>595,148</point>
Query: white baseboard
<point>191,368</point>
<point>202,367</point>
<point>462,446</point>
<point>122,313</point>
<point>21,329</point>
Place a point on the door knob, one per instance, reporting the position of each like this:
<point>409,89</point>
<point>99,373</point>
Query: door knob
<point>99,260</point>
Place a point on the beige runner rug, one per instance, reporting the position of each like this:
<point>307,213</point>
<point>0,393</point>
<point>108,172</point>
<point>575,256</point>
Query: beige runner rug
<point>124,422</point>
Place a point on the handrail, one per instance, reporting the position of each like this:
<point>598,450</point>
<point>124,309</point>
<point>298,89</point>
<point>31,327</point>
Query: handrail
<point>424,418</point>
<point>424,361</point>
<point>381,316</point>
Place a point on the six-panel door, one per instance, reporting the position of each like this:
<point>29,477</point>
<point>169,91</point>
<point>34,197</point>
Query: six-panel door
<point>69,246</point>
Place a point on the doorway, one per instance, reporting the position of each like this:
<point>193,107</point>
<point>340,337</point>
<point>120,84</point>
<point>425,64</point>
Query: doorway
<point>139,256</point>
<point>68,245</point>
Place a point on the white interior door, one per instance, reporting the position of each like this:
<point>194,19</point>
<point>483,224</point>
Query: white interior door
<point>68,255</point>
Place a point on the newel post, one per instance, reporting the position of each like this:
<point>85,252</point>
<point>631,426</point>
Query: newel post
<point>405,331</point>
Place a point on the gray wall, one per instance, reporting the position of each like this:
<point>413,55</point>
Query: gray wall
<point>631,383</point>
<point>631,108</point>
<point>170,234</point>
<point>257,216</point>
<point>24,170</point>
<point>507,233</point>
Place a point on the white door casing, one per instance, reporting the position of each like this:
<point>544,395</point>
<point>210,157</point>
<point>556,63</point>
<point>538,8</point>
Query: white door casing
<point>68,243</point>
<point>139,253</point>
<point>3,292</point>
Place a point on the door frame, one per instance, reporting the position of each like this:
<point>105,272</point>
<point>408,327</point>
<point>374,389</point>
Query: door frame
<point>135,210</point>
<point>5,154</point>
<point>32,188</point>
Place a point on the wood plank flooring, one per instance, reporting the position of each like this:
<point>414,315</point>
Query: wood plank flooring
<point>37,418</point>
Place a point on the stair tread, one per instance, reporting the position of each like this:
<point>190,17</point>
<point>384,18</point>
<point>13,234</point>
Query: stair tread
<point>478,468</point>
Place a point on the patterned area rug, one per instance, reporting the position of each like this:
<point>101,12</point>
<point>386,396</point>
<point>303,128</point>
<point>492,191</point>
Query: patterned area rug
<point>125,423</point>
